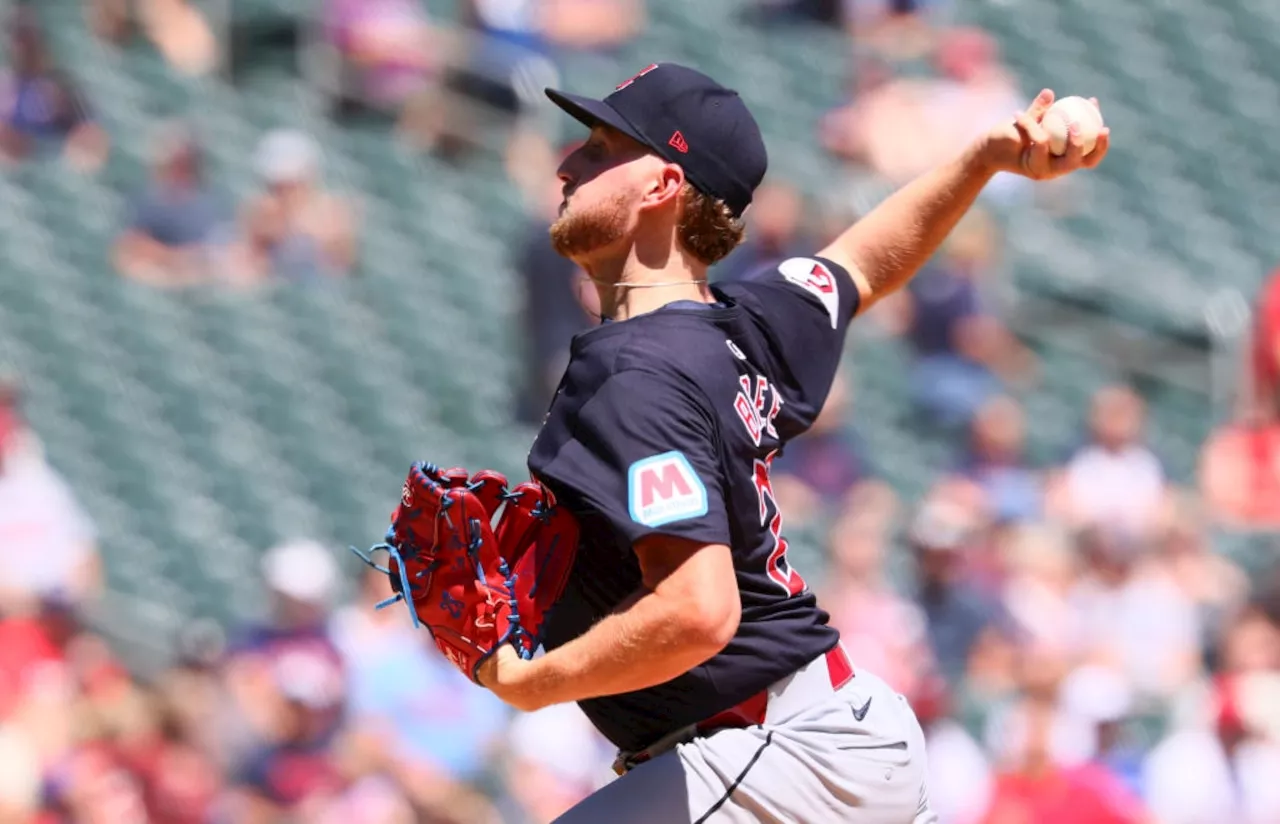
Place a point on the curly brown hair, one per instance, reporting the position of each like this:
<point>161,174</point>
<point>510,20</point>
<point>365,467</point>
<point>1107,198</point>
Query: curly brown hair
<point>707,228</point>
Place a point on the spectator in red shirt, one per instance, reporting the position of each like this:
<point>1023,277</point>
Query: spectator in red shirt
<point>1034,789</point>
<point>1240,464</point>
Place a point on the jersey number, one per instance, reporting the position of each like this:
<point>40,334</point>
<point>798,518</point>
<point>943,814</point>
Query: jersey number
<point>777,566</point>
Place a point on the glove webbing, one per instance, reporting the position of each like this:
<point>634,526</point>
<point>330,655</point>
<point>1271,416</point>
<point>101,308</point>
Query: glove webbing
<point>366,556</point>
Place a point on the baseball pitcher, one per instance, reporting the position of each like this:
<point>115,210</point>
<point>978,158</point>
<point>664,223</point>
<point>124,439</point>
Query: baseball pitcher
<point>647,558</point>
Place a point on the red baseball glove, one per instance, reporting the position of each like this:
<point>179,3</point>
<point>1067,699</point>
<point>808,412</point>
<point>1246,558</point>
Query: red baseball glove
<point>473,583</point>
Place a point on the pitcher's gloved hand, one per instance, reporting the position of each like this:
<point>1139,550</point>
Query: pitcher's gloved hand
<point>473,583</point>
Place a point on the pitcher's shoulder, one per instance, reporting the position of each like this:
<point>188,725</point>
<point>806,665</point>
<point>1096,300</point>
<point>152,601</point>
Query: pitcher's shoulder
<point>794,285</point>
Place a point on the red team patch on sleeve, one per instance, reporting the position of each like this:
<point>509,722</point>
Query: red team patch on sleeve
<point>815,278</point>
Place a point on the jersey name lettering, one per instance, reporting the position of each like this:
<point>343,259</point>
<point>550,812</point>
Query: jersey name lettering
<point>664,488</point>
<point>750,403</point>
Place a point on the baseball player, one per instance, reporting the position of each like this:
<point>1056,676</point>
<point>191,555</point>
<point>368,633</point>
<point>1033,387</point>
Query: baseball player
<point>682,631</point>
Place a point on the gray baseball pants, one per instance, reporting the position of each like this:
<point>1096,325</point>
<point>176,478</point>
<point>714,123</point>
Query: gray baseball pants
<point>855,756</point>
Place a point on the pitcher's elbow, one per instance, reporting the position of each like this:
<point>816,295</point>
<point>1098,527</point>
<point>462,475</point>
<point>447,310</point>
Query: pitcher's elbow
<point>714,622</point>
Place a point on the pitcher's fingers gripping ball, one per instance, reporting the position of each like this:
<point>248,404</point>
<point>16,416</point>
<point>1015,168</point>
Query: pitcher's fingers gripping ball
<point>477,563</point>
<point>1073,113</point>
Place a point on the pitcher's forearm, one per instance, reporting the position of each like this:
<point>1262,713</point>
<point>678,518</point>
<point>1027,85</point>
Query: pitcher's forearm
<point>888,246</point>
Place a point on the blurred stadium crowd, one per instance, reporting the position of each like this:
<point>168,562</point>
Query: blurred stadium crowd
<point>1072,642</point>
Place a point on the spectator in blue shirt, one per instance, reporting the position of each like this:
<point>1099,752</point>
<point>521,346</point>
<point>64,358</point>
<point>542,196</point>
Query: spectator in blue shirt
<point>40,110</point>
<point>964,354</point>
<point>957,611</point>
<point>177,222</point>
<point>996,462</point>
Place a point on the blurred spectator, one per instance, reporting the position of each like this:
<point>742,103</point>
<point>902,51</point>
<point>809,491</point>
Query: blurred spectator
<point>1040,670</point>
<point>31,660</point>
<point>434,725</point>
<point>191,690</point>
<point>1041,578</point>
<point>19,444</point>
<point>388,51</point>
<point>1250,642</point>
<point>771,12</point>
<point>1115,481</point>
<point>964,354</point>
<point>177,221</point>
<point>957,612</point>
<point>819,471</point>
<point>72,707</point>
<point>559,302</point>
<point>294,770</point>
<point>995,462</point>
<point>19,777</point>
<point>775,231</point>
<point>296,230</point>
<point>493,82</point>
<point>1034,785</point>
<point>179,781</point>
<point>1212,583</point>
<point>556,759</point>
<point>1102,699</point>
<point>960,776</point>
<point>48,545</point>
<point>40,109</point>
<point>1262,363</point>
<point>1226,769</point>
<point>176,28</point>
<point>373,799</point>
<point>901,127</point>
<point>892,29</point>
<point>1134,617</point>
<point>1240,473</point>
<point>589,25</point>
<point>93,786</point>
<point>539,25</point>
<point>511,55</point>
<point>286,676</point>
<point>881,630</point>
<point>1240,462</point>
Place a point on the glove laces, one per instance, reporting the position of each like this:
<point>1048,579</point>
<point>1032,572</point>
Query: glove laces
<point>396,554</point>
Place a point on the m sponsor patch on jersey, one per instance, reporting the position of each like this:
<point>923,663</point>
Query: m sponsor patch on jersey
<point>815,278</point>
<point>664,488</point>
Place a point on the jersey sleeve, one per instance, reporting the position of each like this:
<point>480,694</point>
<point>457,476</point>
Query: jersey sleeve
<point>645,456</point>
<point>807,304</point>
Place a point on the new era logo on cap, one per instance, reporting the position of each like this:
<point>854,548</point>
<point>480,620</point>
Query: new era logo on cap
<point>678,143</point>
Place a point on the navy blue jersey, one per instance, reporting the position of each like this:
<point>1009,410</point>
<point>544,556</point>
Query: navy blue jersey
<point>667,423</point>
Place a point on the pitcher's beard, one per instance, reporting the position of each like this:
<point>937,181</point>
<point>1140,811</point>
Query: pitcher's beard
<point>575,234</point>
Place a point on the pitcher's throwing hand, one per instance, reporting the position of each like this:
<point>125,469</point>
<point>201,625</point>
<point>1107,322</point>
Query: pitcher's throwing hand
<point>1023,145</point>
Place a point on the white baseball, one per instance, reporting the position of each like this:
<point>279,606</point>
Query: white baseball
<point>1063,114</point>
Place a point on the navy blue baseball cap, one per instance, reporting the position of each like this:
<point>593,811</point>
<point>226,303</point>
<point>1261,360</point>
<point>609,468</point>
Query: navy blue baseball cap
<point>688,119</point>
